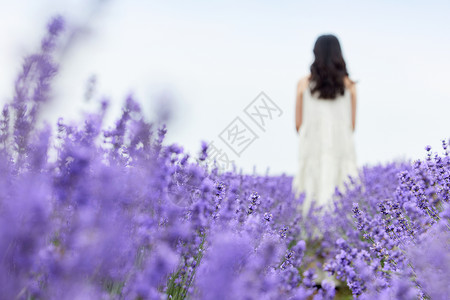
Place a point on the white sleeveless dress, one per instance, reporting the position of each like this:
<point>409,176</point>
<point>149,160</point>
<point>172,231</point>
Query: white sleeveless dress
<point>326,148</point>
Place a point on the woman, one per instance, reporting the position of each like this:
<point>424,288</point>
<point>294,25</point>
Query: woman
<point>325,117</point>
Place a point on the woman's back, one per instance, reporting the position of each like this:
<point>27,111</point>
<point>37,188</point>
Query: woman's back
<point>327,124</point>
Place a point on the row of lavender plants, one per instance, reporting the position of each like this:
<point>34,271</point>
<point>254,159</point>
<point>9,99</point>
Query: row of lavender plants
<point>116,213</point>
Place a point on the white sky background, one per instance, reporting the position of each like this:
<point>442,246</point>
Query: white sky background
<point>213,59</point>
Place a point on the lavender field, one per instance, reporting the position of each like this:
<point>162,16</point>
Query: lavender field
<point>117,213</point>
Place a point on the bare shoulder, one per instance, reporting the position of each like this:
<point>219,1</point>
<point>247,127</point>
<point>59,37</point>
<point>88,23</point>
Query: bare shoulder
<point>350,84</point>
<point>303,83</point>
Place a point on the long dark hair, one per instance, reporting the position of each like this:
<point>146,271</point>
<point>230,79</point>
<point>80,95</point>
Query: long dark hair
<point>328,69</point>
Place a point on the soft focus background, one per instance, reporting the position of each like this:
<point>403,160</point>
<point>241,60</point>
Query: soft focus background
<point>208,61</point>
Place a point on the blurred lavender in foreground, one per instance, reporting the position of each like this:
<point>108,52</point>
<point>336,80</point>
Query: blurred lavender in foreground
<point>118,214</point>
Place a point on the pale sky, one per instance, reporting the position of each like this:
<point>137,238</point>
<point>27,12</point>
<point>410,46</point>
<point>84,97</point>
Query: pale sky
<point>212,58</point>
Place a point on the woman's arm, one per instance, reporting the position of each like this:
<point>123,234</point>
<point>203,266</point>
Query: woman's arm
<point>299,105</point>
<point>353,97</point>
